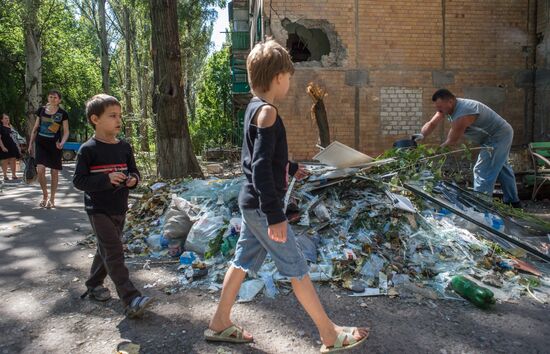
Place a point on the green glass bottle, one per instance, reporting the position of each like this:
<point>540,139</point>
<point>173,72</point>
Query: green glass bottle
<point>478,295</point>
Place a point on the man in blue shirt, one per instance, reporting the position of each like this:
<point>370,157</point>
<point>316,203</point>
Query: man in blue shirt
<point>481,125</point>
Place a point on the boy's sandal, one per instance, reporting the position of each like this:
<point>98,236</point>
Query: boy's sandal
<point>137,306</point>
<point>346,334</point>
<point>232,334</point>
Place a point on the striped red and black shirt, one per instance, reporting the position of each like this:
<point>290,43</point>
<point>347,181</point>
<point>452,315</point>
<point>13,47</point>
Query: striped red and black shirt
<point>94,163</point>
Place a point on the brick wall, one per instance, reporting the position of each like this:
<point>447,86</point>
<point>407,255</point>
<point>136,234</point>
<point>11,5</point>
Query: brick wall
<point>476,49</point>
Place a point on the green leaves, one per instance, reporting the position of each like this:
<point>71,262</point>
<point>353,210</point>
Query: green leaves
<point>212,124</point>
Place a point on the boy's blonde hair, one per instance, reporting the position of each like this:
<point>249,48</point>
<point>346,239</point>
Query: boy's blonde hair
<point>265,61</point>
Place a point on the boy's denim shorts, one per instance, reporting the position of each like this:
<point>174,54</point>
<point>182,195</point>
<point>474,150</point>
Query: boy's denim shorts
<point>254,244</point>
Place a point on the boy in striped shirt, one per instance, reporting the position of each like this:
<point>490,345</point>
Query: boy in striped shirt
<point>105,171</point>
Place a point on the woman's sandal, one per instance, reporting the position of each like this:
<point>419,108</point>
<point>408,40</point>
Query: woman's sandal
<point>50,204</point>
<point>43,203</point>
<point>232,334</point>
<point>346,334</point>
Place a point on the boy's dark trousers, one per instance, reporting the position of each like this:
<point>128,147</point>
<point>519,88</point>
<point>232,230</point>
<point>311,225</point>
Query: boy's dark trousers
<point>109,257</point>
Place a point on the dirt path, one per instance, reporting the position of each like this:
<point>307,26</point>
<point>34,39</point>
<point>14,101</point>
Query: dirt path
<point>42,270</point>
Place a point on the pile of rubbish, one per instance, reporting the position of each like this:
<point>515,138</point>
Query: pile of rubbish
<point>361,228</point>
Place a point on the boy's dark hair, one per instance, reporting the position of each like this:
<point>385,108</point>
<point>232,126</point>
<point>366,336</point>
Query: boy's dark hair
<point>265,61</point>
<point>97,105</point>
<point>444,94</point>
<point>55,92</point>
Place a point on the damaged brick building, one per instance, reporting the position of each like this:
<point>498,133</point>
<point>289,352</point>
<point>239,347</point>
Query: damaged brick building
<point>381,61</point>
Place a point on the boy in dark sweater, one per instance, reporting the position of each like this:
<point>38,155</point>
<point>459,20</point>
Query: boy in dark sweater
<point>264,227</point>
<point>105,170</point>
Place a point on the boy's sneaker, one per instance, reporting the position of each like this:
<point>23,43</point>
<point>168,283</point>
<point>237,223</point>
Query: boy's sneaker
<point>137,306</point>
<point>99,293</point>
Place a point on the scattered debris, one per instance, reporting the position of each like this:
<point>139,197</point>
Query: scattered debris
<point>389,226</point>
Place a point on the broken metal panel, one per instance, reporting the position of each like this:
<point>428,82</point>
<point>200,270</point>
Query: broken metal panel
<point>533,251</point>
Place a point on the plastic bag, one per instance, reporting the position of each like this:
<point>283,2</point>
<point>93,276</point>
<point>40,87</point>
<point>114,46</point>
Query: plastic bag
<point>154,242</point>
<point>249,289</point>
<point>213,189</point>
<point>177,227</point>
<point>179,219</point>
<point>30,170</point>
<point>202,232</point>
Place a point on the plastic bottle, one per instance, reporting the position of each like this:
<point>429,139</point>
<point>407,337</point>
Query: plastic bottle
<point>187,258</point>
<point>479,296</point>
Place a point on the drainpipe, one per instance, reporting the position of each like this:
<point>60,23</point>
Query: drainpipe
<point>531,65</point>
<point>357,93</point>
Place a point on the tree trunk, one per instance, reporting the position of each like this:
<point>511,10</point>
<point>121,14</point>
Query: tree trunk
<point>128,73</point>
<point>144,107</point>
<point>104,47</point>
<point>142,82</point>
<point>175,157</point>
<point>33,66</point>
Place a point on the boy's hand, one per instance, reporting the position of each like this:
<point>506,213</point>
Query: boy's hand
<point>4,149</point>
<point>277,232</point>
<point>117,178</point>
<point>301,173</point>
<point>59,145</point>
<point>131,181</point>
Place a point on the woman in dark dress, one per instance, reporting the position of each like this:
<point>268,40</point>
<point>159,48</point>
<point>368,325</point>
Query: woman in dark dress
<point>9,151</point>
<point>51,121</point>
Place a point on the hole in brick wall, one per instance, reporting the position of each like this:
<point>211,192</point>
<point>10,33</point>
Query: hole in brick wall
<point>311,42</point>
<point>306,44</point>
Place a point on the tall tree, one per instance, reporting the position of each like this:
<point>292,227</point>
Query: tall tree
<point>141,44</point>
<point>213,123</point>
<point>196,21</point>
<point>95,12</point>
<point>33,56</point>
<point>128,39</point>
<point>104,49</point>
<point>12,62</point>
<point>175,157</point>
